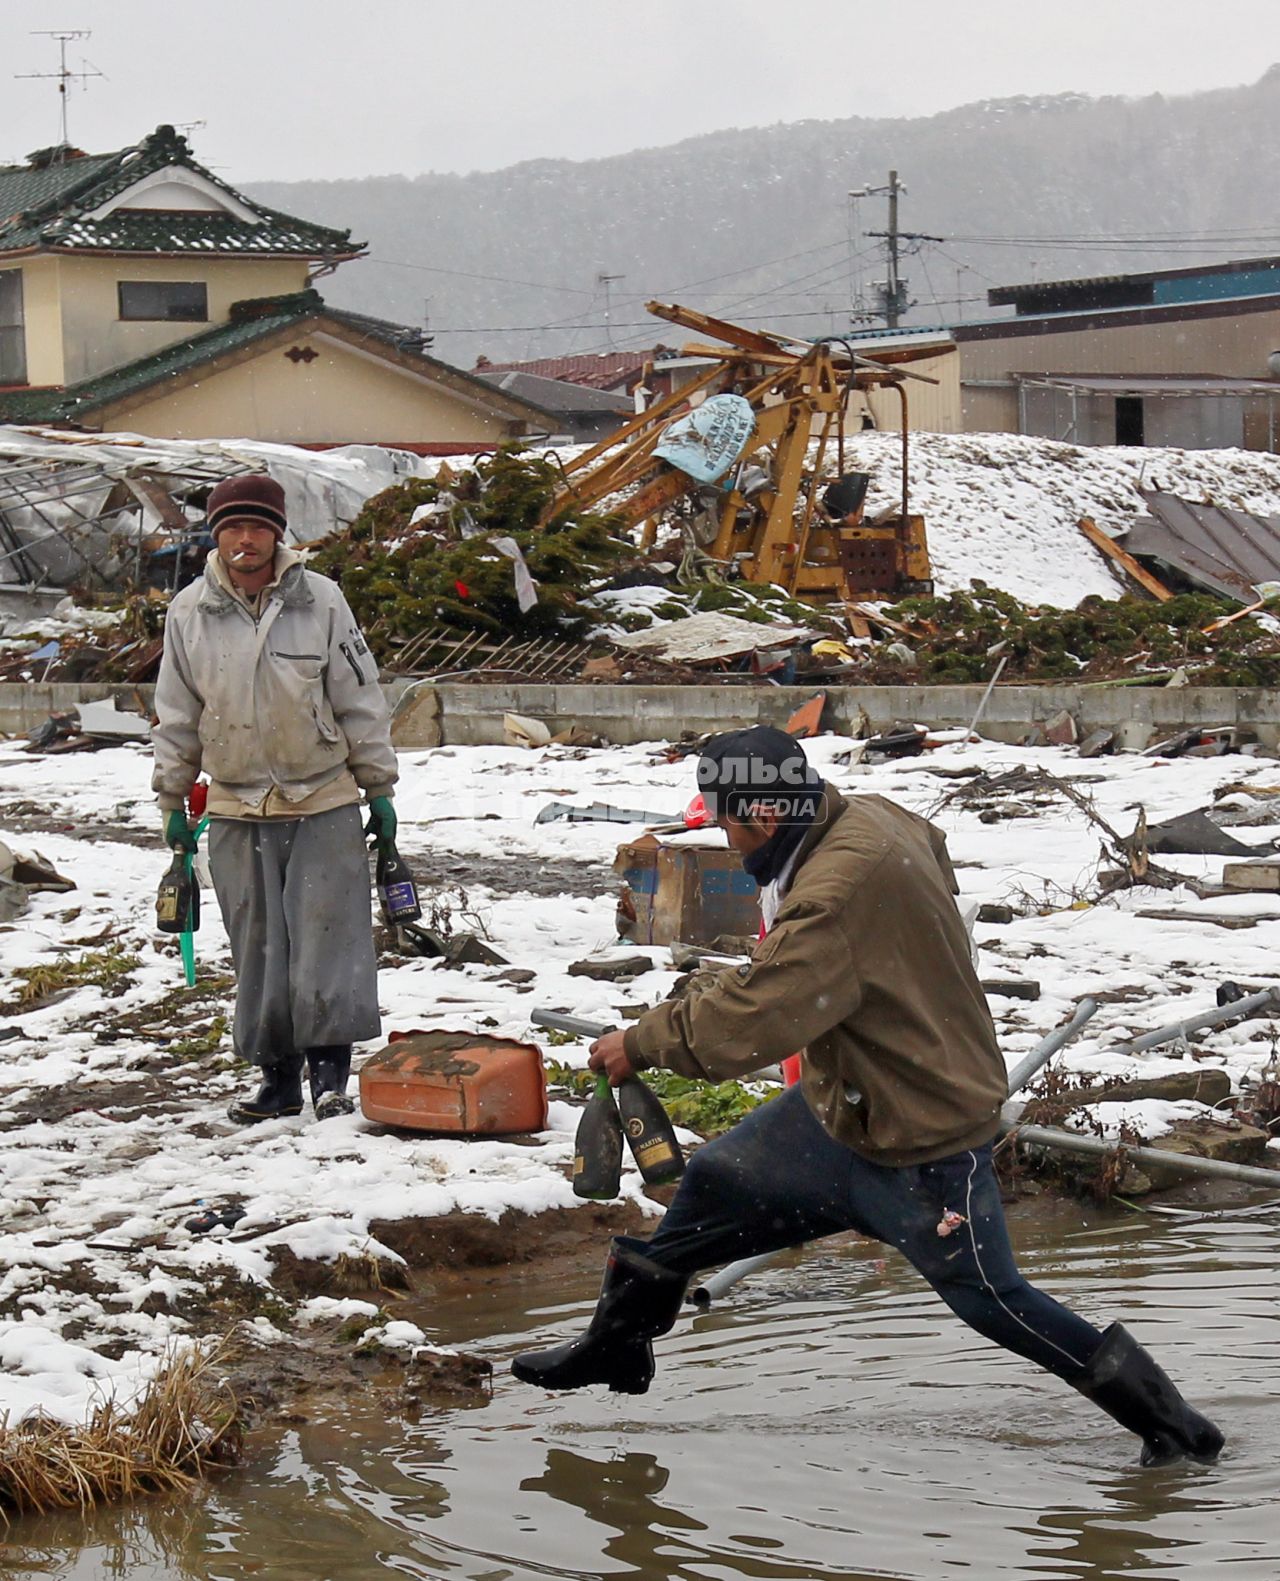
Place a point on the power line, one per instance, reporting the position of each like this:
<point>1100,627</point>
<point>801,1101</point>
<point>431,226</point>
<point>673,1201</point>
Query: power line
<point>526,329</point>
<point>468,274</point>
<point>544,285</point>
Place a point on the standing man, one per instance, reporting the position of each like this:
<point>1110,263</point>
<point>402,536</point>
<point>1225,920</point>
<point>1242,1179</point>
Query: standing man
<point>267,686</point>
<point>866,967</point>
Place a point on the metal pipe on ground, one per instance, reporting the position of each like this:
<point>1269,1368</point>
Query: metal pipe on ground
<point>1048,1046</point>
<point>1218,1017</point>
<point>554,1021</point>
<point>1150,1157</point>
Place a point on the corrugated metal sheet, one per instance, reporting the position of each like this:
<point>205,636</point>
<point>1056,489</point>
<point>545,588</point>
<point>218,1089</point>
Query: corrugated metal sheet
<point>1228,551</point>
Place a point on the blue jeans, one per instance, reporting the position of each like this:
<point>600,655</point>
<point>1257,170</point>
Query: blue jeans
<point>778,1179</point>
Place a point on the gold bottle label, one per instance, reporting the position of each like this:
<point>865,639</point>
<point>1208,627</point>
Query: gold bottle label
<point>655,1151</point>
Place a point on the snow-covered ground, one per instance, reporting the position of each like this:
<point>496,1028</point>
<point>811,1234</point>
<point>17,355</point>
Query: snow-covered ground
<point>1005,507</point>
<point>95,1265</point>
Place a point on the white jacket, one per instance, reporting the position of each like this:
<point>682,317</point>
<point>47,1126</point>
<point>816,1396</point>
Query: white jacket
<point>287,702</point>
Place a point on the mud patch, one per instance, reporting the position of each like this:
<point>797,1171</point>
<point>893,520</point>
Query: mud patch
<point>468,1249</point>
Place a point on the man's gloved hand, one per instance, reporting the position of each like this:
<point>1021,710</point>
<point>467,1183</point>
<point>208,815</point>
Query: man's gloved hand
<point>177,831</point>
<point>382,822</point>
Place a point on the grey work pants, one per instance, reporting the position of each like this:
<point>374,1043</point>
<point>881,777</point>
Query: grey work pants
<point>294,895</point>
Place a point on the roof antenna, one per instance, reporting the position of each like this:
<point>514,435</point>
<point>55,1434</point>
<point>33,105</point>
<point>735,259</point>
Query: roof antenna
<point>63,74</point>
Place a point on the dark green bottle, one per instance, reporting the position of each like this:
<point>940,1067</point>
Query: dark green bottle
<point>178,898</point>
<point>397,893</point>
<point>649,1133</point>
<point>597,1147</point>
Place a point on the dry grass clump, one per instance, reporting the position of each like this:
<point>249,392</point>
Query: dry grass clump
<point>185,1424</point>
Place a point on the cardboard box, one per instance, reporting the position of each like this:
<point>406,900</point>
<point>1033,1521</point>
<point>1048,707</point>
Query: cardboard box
<point>690,889</point>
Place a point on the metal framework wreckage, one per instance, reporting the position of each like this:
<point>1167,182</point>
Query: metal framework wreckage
<point>84,510</point>
<point>764,516</point>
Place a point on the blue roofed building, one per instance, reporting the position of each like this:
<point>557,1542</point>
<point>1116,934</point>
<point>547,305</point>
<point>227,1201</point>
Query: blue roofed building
<point>1187,357</point>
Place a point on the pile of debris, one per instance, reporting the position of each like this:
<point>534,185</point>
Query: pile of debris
<point>1193,637</point>
<point>500,570</point>
<point>464,552</point>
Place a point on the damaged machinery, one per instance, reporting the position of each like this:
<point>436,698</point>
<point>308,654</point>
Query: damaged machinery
<point>738,475</point>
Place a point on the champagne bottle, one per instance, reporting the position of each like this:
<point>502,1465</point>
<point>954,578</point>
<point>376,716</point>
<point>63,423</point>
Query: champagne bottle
<point>178,898</point>
<point>397,893</point>
<point>597,1147</point>
<point>649,1133</point>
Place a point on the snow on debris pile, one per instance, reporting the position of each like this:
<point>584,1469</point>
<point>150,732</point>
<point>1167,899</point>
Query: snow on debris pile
<point>1005,507</point>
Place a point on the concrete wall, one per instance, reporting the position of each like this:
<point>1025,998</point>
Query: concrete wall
<point>457,714</point>
<point>341,395</point>
<point>472,714</point>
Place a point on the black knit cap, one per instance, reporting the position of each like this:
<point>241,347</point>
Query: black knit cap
<point>743,767</point>
<point>254,498</point>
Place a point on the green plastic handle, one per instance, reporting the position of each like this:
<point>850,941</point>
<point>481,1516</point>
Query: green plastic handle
<point>187,941</point>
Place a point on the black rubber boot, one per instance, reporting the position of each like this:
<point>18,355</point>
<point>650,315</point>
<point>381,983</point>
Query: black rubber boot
<point>328,1071</point>
<point>639,1300</point>
<point>1131,1387</point>
<point>279,1096</point>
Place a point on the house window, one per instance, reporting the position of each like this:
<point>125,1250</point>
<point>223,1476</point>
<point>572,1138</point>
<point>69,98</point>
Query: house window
<point>169,301</point>
<point>13,340</point>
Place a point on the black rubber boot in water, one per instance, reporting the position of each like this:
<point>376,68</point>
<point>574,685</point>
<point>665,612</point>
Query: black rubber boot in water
<point>328,1070</point>
<point>1131,1387</point>
<point>639,1300</point>
<point>279,1096</point>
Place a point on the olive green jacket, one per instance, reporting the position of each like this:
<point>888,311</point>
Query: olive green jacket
<point>867,970</point>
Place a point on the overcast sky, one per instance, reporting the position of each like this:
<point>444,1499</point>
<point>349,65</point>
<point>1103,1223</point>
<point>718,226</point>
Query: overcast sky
<point>289,89</point>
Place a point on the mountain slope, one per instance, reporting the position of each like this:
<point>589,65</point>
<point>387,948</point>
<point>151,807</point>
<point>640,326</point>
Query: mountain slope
<point>666,218</point>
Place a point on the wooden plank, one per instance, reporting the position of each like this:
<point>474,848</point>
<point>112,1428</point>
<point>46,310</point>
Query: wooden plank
<point>1239,614</point>
<point>721,329</point>
<point>1158,915</point>
<point>1263,875</point>
<point>1124,560</point>
<point>862,612</point>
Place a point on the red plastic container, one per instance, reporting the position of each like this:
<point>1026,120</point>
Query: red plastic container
<point>460,1083</point>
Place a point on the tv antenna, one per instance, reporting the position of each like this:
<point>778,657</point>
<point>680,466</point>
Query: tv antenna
<point>607,281</point>
<point>64,74</point>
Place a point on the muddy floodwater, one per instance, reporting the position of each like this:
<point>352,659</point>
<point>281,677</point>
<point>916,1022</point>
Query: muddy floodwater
<point>829,1422</point>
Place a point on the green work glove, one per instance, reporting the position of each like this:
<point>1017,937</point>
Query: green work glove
<point>178,833</point>
<point>382,822</point>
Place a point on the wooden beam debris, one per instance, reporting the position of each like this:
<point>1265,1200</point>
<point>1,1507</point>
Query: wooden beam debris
<point>1124,560</point>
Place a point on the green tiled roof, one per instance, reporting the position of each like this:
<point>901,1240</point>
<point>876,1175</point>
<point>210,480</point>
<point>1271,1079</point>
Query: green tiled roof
<point>48,204</point>
<point>250,321</point>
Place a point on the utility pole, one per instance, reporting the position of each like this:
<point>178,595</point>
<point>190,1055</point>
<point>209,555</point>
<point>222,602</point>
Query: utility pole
<point>63,75</point>
<point>893,290</point>
<point>606,280</point>
<point>895,304</point>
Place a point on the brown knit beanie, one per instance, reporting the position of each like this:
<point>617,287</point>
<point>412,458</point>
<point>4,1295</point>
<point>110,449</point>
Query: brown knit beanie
<point>254,498</point>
